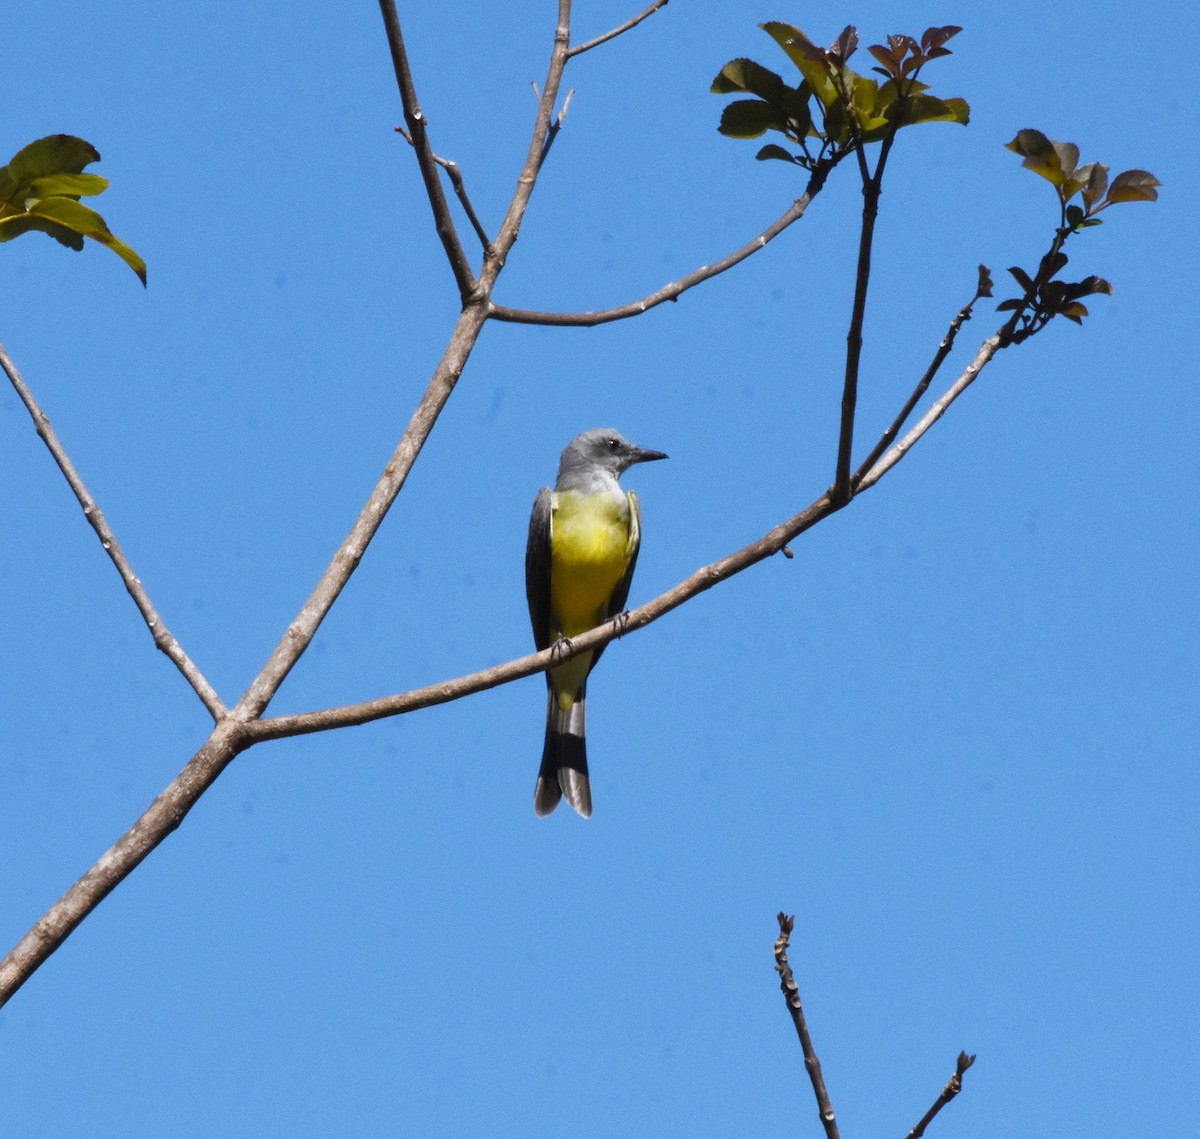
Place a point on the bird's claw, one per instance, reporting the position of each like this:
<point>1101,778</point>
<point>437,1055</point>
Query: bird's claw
<point>561,646</point>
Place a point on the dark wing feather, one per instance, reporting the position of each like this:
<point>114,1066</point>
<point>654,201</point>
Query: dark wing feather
<point>620,595</point>
<point>537,570</point>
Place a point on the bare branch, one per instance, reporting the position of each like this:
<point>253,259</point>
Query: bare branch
<point>791,993</point>
<point>944,349</point>
<point>536,154</point>
<point>452,169</point>
<point>987,350</point>
<point>952,1089</point>
<point>158,821</point>
<point>632,23</point>
<point>557,123</point>
<point>417,124</point>
<point>163,639</point>
<point>675,289</point>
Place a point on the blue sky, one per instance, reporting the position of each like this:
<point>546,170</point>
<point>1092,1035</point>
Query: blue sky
<point>955,735</point>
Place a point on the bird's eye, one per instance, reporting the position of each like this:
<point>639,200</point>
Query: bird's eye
<point>612,444</point>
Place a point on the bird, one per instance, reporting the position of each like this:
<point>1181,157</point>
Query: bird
<point>583,545</point>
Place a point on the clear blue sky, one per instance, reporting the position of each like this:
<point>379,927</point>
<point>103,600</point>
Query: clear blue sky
<point>956,735</point>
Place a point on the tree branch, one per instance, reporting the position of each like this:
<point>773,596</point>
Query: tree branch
<point>948,1093</point>
<point>791,993</point>
<point>456,179</point>
<point>631,23</point>
<point>672,291</point>
<point>970,373</point>
<point>939,358</point>
<point>417,124</point>
<point>163,639</point>
<point>158,821</point>
<point>536,155</point>
<point>232,733</point>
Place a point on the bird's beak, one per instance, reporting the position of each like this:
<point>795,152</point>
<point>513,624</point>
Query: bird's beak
<point>641,455</point>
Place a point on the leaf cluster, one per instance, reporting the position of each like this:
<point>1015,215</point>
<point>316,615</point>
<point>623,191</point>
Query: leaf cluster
<point>833,108</point>
<point>40,190</point>
<point>1044,296</point>
<point>1058,163</point>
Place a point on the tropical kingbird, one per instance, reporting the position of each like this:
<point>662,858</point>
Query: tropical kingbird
<point>583,544</point>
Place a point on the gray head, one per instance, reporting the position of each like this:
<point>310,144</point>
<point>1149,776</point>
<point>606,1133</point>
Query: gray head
<point>597,455</point>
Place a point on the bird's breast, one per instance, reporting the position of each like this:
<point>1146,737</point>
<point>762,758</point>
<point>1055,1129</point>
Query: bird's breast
<point>589,550</point>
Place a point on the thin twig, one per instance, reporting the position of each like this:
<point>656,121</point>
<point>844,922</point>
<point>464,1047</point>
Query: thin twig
<point>939,358</point>
<point>674,289</point>
<point>970,373</point>
<point>579,49</point>
<point>952,1089</point>
<point>791,993</point>
<point>456,179</point>
<point>557,123</point>
<point>419,136</point>
<point>163,638</point>
<point>872,187</point>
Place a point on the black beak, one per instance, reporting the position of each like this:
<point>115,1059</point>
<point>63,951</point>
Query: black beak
<point>641,455</point>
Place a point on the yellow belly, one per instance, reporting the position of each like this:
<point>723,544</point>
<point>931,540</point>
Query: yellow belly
<point>589,551</point>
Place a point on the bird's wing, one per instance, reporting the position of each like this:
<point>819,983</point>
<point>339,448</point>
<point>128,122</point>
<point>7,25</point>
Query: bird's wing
<point>616,603</point>
<point>537,569</point>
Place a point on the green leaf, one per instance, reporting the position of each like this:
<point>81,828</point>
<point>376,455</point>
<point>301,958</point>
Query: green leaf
<point>1022,278</point>
<point>773,151</point>
<point>1133,186</point>
<point>54,154</point>
<point>809,59</point>
<point>928,109</point>
<point>1054,161</point>
<point>16,224</point>
<point>73,216</point>
<point>750,118</point>
<point>71,185</point>
<point>746,75</point>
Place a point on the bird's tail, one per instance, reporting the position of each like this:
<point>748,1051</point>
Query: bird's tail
<point>564,768</point>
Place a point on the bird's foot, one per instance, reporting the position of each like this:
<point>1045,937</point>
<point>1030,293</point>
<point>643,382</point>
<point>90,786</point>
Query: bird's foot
<point>560,647</point>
